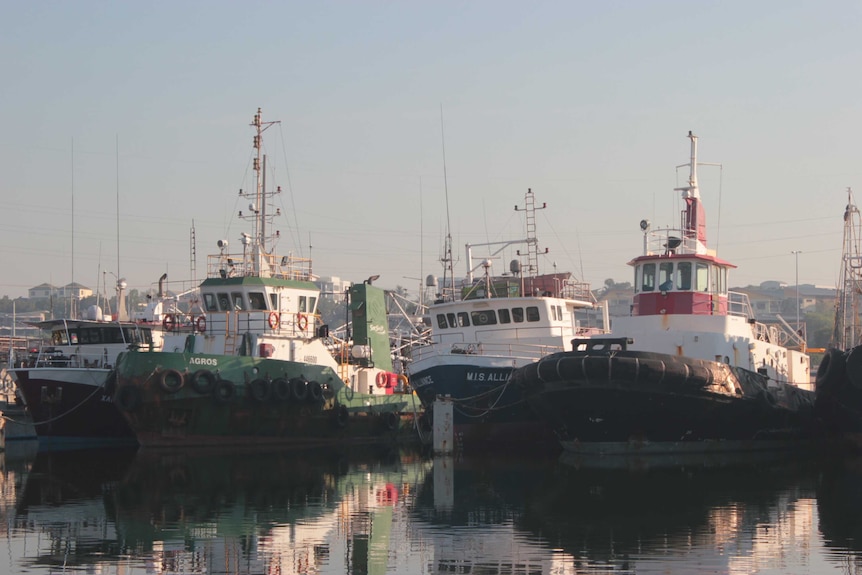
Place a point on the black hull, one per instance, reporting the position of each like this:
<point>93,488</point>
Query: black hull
<point>488,413</point>
<point>603,402</point>
<point>73,407</point>
<point>839,396</point>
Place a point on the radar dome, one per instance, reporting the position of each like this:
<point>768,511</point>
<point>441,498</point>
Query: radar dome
<point>515,266</point>
<point>94,313</point>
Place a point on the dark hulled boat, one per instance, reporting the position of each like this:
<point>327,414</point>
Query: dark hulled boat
<point>481,332</point>
<point>689,370</point>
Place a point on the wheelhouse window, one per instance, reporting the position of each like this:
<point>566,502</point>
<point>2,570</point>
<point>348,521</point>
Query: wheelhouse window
<point>441,321</point>
<point>665,276</point>
<point>303,304</point>
<point>463,319</point>
<point>90,336</point>
<point>648,278</point>
<point>238,301</point>
<point>532,313</point>
<point>719,279</point>
<point>518,314</point>
<point>223,302</point>
<point>701,277</point>
<point>683,276</point>
<point>450,317</point>
<point>210,303</point>
<point>273,300</point>
<point>504,316</point>
<point>484,317</point>
<point>257,300</point>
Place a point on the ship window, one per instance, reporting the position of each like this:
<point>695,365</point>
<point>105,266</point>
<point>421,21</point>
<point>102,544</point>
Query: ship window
<point>484,317</point>
<point>257,300</point>
<point>532,313</point>
<point>112,335</point>
<point>73,338</point>
<point>665,276</point>
<point>210,302</point>
<point>683,275</point>
<point>238,303</point>
<point>59,338</point>
<point>223,302</point>
<point>90,336</point>
<point>702,277</point>
<point>312,302</point>
<point>303,304</point>
<point>463,319</point>
<point>273,300</point>
<point>719,278</point>
<point>518,314</point>
<point>451,318</point>
<point>441,321</point>
<point>649,277</point>
<point>504,316</point>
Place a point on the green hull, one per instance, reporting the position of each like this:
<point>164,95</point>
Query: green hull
<point>172,399</point>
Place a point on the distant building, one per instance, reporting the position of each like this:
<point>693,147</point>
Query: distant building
<point>618,299</point>
<point>332,287</point>
<point>41,291</point>
<point>72,290</point>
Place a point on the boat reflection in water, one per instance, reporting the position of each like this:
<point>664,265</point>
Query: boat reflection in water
<point>374,512</point>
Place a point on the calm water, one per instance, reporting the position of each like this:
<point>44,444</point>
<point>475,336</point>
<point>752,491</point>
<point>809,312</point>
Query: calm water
<point>374,512</point>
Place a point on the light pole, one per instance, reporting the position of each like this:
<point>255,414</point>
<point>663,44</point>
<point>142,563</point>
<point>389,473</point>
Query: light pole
<point>796,253</point>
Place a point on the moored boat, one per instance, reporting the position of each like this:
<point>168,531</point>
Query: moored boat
<point>490,326</point>
<point>263,369</point>
<point>65,382</point>
<point>690,369</point>
<point>839,375</point>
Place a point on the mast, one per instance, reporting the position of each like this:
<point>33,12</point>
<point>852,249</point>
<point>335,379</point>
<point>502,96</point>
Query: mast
<point>846,331</point>
<point>258,206</point>
<point>694,218</point>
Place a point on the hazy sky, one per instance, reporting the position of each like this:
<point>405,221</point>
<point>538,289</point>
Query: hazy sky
<point>143,108</point>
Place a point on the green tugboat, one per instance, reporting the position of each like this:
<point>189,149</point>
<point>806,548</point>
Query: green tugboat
<point>259,367</point>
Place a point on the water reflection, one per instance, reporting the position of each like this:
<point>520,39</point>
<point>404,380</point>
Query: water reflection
<point>376,512</point>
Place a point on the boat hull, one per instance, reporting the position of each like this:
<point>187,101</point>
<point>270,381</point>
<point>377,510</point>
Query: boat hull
<point>72,406</point>
<point>629,402</point>
<point>245,400</point>
<point>488,412</point>
<point>839,396</point>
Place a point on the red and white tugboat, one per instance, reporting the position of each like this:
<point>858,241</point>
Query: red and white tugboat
<point>690,370</point>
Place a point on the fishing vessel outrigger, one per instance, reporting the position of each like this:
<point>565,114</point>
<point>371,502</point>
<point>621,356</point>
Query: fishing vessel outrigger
<point>263,369</point>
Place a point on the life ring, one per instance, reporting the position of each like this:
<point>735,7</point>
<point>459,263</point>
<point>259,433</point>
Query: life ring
<point>201,323</point>
<point>273,320</point>
<point>260,390</point>
<point>171,380</point>
<point>169,322</point>
<point>203,381</point>
<point>128,398</point>
<point>223,391</point>
<point>281,389</point>
<point>302,321</point>
<point>382,379</point>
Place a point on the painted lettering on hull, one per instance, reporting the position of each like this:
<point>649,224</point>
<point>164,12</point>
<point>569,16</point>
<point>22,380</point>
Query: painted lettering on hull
<point>484,376</point>
<point>211,361</point>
